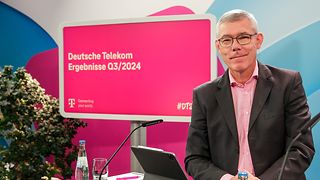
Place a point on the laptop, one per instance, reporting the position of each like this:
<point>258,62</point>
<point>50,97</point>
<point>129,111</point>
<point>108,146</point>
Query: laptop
<point>158,164</point>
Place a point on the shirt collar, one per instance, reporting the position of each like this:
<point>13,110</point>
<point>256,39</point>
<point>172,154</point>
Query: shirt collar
<point>254,75</point>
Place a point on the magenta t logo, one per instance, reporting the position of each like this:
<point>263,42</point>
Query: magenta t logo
<point>71,102</point>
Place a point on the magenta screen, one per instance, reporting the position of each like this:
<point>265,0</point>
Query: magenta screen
<point>135,69</point>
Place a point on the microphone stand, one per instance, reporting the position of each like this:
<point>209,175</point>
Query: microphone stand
<point>306,128</point>
<point>145,124</point>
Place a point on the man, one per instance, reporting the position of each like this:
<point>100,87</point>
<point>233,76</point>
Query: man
<point>245,119</point>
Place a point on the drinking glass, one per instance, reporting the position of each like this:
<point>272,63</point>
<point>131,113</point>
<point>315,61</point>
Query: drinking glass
<point>97,166</point>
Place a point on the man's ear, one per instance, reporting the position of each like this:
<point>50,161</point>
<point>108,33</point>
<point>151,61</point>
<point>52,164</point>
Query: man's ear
<point>217,45</point>
<point>259,41</point>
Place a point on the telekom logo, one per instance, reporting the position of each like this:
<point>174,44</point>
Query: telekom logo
<point>71,102</point>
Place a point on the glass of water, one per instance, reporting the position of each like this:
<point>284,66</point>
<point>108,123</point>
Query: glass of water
<point>97,166</point>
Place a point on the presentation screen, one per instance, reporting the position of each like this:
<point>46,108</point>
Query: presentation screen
<point>135,69</point>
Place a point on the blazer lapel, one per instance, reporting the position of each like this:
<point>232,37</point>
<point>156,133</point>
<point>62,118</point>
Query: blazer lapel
<point>224,98</point>
<point>262,92</point>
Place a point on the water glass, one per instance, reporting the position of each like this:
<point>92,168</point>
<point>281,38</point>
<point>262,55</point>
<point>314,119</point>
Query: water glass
<point>97,166</point>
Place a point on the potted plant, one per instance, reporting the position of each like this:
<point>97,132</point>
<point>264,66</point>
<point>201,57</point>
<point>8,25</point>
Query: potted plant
<point>34,129</point>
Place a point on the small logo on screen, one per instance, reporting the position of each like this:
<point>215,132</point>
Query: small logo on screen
<point>71,102</point>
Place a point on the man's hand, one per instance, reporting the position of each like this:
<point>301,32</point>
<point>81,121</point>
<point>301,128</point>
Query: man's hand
<point>234,177</point>
<point>252,177</point>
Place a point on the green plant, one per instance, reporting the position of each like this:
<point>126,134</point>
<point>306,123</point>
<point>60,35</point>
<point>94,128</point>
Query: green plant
<point>31,122</point>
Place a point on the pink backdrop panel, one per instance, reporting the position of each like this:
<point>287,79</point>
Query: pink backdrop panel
<point>143,68</point>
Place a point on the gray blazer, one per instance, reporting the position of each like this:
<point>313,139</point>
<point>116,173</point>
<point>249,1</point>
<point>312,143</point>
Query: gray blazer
<point>279,109</point>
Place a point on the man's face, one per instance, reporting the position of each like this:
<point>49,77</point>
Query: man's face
<point>239,58</point>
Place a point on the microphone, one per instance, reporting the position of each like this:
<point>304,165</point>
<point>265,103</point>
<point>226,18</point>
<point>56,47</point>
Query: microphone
<point>309,125</point>
<point>144,124</point>
<point>150,123</point>
<point>306,128</point>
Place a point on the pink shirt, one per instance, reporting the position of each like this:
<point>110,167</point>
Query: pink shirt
<point>242,95</point>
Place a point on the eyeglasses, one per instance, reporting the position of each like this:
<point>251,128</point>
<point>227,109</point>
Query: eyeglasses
<point>242,39</point>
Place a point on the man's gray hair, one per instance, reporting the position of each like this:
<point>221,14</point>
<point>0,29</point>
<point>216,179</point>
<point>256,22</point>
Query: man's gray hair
<point>236,15</point>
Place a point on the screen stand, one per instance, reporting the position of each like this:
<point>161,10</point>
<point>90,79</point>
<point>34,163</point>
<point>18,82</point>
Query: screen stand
<point>137,138</point>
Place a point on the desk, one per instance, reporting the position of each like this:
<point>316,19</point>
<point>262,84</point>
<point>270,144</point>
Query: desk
<point>127,176</point>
